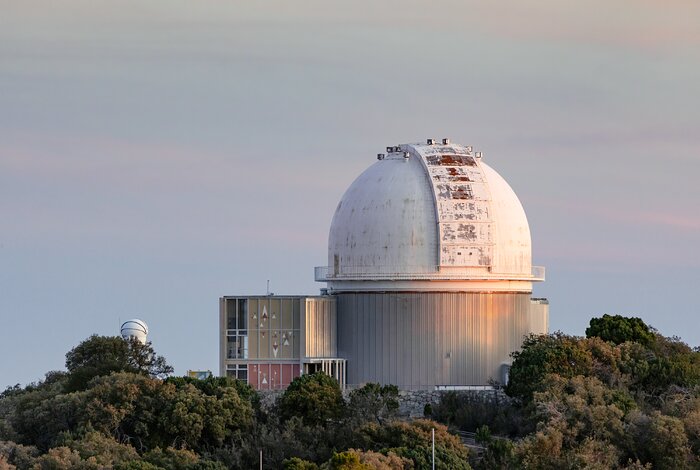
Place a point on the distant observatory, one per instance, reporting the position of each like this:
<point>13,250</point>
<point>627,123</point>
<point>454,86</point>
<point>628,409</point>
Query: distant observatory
<point>136,329</point>
<point>429,282</point>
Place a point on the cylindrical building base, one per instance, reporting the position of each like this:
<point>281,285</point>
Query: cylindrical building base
<point>420,340</point>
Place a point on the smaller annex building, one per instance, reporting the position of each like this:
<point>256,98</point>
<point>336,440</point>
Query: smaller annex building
<point>267,341</point>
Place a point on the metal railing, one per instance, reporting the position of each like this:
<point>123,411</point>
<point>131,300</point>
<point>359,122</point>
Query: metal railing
<point>433,273</point>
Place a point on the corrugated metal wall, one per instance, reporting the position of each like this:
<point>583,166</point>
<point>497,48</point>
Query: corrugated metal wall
<point>320,339</point>
<point>420,340</point>
<point>539,316</point>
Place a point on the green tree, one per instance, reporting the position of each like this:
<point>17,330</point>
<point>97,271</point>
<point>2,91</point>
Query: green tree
<point>380,461</point>
<point>63,458</point>
<point>101,449</point>
<point>374,402</point>
<point>413,440</point>
<point>215,386</point>
<point>469,411</point>
<point>660,440</point>
<point>152,413</point>
<point>137,465</point>
<point>18,455</point>
<point>346,461</point>
<point>295,463</point>
<point>102,355</point>
<point>315,398</point>
<point>618,329</point>
<point>284,438</point>
<point>172,459</point>
<point>40,414</point>
<point>542,355</point>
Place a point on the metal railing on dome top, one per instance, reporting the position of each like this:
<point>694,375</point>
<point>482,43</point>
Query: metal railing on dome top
<point>436,273</point>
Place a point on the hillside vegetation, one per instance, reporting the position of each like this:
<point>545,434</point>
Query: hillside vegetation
<point>623,397</point>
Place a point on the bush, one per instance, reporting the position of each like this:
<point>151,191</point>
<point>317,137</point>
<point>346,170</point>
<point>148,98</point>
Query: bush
<point>315,398</point>
<point>618,329</point>
<point>374,402</point>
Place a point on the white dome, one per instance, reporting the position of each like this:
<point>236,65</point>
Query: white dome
<point>429,212</point>
<point>135,328</point>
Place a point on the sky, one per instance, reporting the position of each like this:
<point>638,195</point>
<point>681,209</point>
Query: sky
<point>156,155</point>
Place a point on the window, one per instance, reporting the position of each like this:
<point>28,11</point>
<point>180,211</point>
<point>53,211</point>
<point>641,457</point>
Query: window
<point>237,371</point>
<point>231,314</point>
<point>242,323</point>
<point>237,346</point>
<point>237,314</point>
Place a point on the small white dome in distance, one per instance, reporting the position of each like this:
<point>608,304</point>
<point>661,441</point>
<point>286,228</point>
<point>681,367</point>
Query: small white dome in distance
<point>135,328</point>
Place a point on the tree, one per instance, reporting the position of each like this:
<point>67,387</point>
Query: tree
<point>618,329</point>
<point>315,398</point>
<point>542,355</point>
<point>173,459</point>
<point>295,463</point>
<point>469,411</point>
<point>102,355</point>
<point>137,465</point>
<point>18,455</point>
<point>63,458</point>
<point>152,413</point>
<point>380,461</point>
<point>660,440</point>
<point>40,414</point>
<point>374,402</point>
<point>103,450</point>
<point>346,461</point>
<point>216,386</point>
<point>412,440</point>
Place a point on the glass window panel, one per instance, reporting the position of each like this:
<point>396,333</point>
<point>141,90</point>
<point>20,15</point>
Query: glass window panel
<point>243,351</point>
<point>230,314</point>
<point>242,314</point>
<point>232,347</point>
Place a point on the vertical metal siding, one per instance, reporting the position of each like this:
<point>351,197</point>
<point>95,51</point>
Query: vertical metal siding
<point>420,340</point>
<point>320,328</point>
<point>539,318</point>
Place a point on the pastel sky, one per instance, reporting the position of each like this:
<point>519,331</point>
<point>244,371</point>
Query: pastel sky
<point>156,155</point>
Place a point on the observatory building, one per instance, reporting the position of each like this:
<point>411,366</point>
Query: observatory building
<point>428,283</point>
<point>135,329</point>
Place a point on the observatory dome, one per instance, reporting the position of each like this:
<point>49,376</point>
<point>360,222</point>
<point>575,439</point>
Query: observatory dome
<point>135,328</point>
<point>434,213</point>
